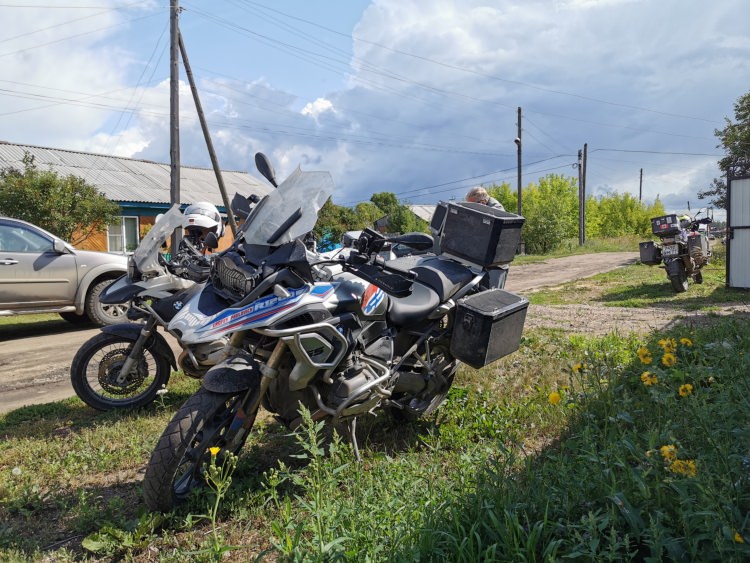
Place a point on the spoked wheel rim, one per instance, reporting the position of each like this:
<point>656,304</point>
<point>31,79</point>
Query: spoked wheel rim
<point>102,375</point>
<point>190,471</point>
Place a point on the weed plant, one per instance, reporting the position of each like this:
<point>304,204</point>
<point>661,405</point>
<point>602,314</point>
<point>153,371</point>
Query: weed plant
<point>575,447</point>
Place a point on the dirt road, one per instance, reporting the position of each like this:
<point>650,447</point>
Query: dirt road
<point>35,361</point>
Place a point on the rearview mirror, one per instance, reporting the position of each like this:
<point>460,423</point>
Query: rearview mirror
<point>240,206</point>
<point>264,167</point>
<point>211,241</point>
<point>59,247</point>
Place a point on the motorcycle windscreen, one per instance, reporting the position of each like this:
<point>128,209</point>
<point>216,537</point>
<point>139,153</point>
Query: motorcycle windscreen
<point>289,211</point>
<point>146,256</point>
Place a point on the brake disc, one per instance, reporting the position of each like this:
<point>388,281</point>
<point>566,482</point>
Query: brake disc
<point>109,371</point>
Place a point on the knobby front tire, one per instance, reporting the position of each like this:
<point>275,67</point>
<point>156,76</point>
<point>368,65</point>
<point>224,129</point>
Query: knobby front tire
<point>177,463</point>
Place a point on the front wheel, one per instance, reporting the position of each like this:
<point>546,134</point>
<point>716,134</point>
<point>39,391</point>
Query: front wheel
<point>177,463</point>
<point>95,374</point>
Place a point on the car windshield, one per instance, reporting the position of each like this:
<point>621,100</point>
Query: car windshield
<point>146,256</point>
<point>290,210</point>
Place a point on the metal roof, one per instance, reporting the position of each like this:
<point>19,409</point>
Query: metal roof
<point>130,180</point>
<point>424,212</point>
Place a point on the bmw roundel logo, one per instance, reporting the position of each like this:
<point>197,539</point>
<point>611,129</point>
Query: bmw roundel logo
<point>178,305</point>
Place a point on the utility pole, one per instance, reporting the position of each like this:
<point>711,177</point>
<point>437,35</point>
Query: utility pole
<point>585,159</point>
<point>640,187</point>
<point>174,113</point>
<point>581,202</point>
<point>207,137</point>
<point>518,144</point>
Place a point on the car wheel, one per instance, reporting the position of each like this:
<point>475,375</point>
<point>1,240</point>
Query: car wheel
<point>104,314</point>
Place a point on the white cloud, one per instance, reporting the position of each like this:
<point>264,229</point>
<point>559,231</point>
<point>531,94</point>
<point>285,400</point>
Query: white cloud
<point>425,126</point>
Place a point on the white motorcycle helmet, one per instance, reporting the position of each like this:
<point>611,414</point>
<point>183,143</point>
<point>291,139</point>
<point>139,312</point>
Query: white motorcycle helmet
<point>201,218</point>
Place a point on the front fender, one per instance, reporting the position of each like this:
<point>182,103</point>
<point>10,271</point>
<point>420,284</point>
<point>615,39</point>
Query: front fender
<point>233,375</point>
<point>156,343</point>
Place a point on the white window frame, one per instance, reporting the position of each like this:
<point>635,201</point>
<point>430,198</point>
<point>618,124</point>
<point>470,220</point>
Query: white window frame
<point>122,235</point>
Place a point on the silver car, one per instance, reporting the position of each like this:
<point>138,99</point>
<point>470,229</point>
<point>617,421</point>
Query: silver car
<point>40,273</point>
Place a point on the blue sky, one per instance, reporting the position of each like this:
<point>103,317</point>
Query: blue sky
<point>419,98</point>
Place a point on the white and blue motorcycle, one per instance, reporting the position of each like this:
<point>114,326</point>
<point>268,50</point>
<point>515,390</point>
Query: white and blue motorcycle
<point>339,337</point>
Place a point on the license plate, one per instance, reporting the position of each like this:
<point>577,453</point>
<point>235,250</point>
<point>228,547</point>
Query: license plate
<point>670,250</point>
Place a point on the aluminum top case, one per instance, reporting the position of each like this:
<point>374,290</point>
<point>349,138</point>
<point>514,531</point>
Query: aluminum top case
<point>479,234</point>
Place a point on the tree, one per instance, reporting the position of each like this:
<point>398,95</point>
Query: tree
<point>333,221</point>
<point>401,219</point>
<point>735,139</point>
<point>617,215</point>
<point>67,206</point>
<point>551,212</point>
<point>505,195</point>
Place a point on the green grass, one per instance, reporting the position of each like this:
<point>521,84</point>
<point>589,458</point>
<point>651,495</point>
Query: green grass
<point>572,248</point>
<point>503,472</point>
<point>640,285</point>
<point>16,320</point>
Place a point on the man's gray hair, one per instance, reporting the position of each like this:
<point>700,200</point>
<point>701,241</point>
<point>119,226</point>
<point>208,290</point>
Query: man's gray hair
<point>478,194</point>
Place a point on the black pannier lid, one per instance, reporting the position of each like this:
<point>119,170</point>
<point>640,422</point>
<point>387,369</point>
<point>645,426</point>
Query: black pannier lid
<point>480,234</point>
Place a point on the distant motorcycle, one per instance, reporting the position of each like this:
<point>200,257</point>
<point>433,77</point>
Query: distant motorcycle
<point>684,248</point>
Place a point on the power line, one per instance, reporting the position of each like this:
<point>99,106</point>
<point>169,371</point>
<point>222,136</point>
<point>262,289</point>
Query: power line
<point>68,22</point>
<point>463,180</point>
<point>76,35</point>
<point>659,152</point>
<point>468,70</point>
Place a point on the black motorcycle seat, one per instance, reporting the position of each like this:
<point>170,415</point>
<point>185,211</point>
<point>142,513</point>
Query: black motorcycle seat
<point>445,277</point>
<point>403,311</point>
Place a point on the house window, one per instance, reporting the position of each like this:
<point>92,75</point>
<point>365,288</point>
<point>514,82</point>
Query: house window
<point>122,236</point>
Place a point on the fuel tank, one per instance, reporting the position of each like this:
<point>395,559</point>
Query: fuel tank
<point>355,295</point>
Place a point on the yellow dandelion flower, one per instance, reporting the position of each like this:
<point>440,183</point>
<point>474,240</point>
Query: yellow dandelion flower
<point>738,538</point>
<point>649,378</point>
<point>214,451</point>
<point>668,452</point>
<point>668,344</point>
<point>554,398</point>
<point>686,341</point>
<point>577,367</point>
<point>685,467</point>
<point>686,390</point>
<point>669,359</point>
<point>644,355</point>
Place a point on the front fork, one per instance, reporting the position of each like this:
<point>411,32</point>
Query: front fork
<point>136,351</point>
<point>246,414</point>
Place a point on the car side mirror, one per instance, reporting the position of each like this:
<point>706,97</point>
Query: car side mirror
<point>211,241</point>
<point>59,247</point>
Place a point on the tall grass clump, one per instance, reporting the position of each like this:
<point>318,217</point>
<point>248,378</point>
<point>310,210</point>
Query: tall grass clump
<point>653,465</point>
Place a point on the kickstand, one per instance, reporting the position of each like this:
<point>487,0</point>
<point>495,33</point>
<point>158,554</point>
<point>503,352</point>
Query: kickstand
<point>352,427</point>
